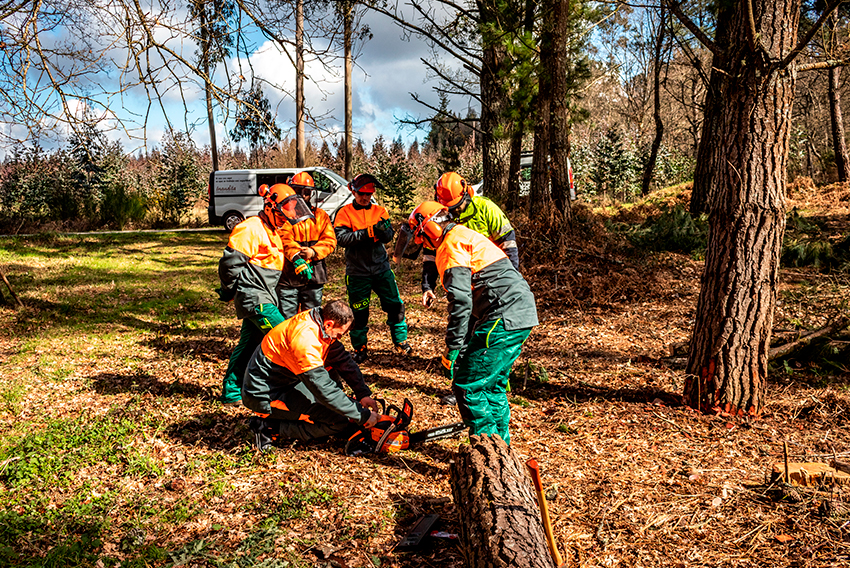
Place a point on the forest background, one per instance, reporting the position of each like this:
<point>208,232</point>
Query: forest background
<point>646,466</point>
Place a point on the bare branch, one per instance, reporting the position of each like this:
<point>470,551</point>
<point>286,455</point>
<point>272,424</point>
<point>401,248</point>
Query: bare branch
<point>830,8</point>
<point>693,28</point>
<point>828,64</point>
<point>752,34</point>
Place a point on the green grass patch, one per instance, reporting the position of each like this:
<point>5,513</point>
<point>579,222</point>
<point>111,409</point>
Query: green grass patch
<point>291,502</point>
<point>53,454</point>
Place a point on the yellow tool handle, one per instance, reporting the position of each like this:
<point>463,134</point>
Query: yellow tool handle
<point>534,470</point>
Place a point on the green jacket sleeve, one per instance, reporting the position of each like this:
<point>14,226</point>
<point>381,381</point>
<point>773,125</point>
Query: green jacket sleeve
<point>458,284</point>
<point>339,360</point>
<point>329,394</point>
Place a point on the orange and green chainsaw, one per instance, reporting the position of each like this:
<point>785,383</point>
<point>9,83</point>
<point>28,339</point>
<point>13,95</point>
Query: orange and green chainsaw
<point>390,434</point>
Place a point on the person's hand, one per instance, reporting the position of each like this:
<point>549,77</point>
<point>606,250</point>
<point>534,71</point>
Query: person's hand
<point>383,225</point>
<point>303,267</point>
<point>448,361</point>
<point>369,403</point>
<point>307,253</point>
<point>373,419</point>
<point>428,298</point>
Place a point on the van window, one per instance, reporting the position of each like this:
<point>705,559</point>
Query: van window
<point>271,179</point>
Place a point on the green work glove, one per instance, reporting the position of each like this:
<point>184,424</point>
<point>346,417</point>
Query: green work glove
<point>383,225</point>
<point>449,363</point>
<point>304,268</point>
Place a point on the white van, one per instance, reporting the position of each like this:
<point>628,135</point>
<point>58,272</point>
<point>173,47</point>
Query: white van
<point>233,193</point>
<point>525,177</point>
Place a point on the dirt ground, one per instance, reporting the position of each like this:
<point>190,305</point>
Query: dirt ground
<point>635,478</point>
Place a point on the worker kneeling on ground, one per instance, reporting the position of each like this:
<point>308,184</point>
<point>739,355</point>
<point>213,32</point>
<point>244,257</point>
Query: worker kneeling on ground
<point>491,313</point>
<point>288,382</point>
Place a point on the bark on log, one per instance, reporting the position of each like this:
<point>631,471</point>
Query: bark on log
<point>500,520</point>
<point>788,348</point>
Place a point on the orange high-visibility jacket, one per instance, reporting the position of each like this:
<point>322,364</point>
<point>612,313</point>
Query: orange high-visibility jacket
<point>365,253</point>
<point>251,266</point>
<point>317,234</point>
<point>481,285</point>
<point>298,351</point>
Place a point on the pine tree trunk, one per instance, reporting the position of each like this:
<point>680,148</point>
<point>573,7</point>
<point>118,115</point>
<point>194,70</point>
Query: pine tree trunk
<point>839,145</point>
<point>300,141</point>
<point>348,22</point>
<point>539,201</point>
<point>659,124</point>
<point>559,133</point>
<point>205,63</point>
<point>500,520</point>
<point>495,128</point>
<point>727,362</point>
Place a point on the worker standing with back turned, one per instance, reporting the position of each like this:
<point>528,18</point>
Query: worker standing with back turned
<point>491,313</point>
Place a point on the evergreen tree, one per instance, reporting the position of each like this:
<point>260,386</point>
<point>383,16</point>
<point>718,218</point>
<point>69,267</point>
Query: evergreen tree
<point>180,182</point>
<point>254,121</point>
<point>413,152</point>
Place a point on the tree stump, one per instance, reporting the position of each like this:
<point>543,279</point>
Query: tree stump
<point>499,517</point>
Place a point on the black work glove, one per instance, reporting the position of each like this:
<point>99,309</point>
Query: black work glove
<point>383,230</point>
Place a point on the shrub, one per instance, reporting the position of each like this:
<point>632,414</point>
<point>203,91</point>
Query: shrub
<point>179,179</point>
<point>674,230</point>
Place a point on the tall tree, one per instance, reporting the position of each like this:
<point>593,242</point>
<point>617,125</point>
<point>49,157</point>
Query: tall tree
<point>559,133</point>
<point>347,9</point>
<point>214,42</point>
<point>300,141</point>
<point>658,64</point>
<point>754,49</point>
<point>540,197</point>
<point>839,143</point>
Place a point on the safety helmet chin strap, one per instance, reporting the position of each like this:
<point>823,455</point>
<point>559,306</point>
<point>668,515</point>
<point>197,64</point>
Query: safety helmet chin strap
<point>458,208</point>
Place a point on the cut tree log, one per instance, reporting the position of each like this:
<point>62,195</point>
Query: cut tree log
<point>500,523</point>
<point>789,348</point>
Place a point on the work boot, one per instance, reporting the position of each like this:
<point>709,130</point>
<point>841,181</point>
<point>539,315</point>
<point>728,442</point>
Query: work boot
<point>449,400</point>
<point>404,348</point>
<point>360,354</point>
<point>264,435</point>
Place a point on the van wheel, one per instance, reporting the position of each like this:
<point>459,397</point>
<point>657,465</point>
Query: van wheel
<point>231,219</point>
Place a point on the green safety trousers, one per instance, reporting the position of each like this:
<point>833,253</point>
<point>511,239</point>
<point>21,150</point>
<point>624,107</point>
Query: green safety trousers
<point>254,329</point>
<point>481,378</point>
<point>359,297</point>
<point>294,300</point>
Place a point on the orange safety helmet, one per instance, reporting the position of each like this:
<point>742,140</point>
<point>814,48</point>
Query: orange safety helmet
<point>364,183</point>
<point>452,191</point>
<point>281,204</point>
<point>423,222</point>
<point>303,184</point>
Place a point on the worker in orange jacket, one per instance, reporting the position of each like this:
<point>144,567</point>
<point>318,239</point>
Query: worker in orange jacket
<point>312,240</point>
<point>294,380</point>
<point>363,229</point>
<point>250,269</point>
<point>491,313</point>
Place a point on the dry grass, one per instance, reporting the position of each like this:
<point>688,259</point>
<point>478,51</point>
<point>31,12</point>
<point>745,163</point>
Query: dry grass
<point>639,480</point>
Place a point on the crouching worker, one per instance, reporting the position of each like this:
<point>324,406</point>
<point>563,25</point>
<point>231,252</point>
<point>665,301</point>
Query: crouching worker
<point>289,381</point>
<point>491,313</point>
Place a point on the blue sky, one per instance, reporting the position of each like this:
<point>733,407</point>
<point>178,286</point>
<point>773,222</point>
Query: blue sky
<point>387,70</point>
